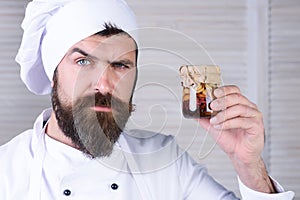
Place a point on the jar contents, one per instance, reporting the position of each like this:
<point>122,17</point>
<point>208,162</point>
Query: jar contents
<point>201,82</point>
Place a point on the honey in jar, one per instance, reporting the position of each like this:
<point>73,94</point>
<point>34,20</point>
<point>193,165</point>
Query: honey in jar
<point>201,82</point>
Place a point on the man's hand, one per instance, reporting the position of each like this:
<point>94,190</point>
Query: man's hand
<point>238,129</point>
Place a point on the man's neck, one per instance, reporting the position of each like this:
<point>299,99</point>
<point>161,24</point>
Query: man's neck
<point>52,130</point>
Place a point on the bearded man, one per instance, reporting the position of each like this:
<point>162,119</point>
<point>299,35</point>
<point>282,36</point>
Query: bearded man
<point>85,52</point>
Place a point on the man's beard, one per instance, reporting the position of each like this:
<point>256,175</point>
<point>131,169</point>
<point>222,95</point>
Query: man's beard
<point>94,133</point>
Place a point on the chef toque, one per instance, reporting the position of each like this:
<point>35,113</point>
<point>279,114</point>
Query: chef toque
<point>51,27</point>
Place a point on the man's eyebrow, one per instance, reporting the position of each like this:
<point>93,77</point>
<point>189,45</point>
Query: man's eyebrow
<point>82,52</point>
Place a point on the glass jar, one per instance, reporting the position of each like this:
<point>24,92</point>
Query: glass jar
<point>199,83</point>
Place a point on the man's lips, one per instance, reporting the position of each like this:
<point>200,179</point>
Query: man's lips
<point>101,109</point>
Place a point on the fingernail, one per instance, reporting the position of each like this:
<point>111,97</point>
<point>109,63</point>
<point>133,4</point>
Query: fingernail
<point>213,105</point>
<point>218,92</point>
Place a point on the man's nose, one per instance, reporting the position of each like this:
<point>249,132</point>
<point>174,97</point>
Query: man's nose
<point>104,82</point>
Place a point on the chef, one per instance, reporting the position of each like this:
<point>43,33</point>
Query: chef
<point>85,53</point>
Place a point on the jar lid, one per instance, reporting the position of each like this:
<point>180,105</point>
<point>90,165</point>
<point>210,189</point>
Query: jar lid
<point>194,75</point>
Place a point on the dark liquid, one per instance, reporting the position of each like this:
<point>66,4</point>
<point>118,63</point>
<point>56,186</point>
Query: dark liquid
<point>202,101</point>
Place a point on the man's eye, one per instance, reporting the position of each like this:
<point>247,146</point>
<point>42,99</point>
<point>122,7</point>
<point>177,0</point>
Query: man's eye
<point>83,62</point>
<point>119,65</point>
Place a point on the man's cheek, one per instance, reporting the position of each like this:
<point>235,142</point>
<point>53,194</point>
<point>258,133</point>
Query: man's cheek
<point>125,86</point>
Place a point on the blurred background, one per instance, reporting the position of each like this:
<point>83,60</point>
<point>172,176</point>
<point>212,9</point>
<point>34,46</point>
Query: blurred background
<point>255,42</point>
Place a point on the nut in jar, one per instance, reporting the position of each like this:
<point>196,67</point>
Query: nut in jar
<point>201,82</point>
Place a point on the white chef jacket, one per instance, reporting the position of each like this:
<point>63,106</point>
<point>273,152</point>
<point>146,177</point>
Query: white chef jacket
<point>143,165</point>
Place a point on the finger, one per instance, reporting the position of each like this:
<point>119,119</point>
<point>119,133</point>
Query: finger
<point>230,100</point>
<point>234,112</point>
<point>226,90</point>
<point>238,123</point>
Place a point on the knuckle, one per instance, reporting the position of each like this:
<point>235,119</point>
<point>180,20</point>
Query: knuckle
<point>259,114</point>
<point>236,89</point>
<point>245,109</point>
<point>254,106</point>
<point>240,97</point>
<point>237,98</point>
<point>260,118</point>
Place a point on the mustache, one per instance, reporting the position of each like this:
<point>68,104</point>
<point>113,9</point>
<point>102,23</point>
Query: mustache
<point>105,100</point>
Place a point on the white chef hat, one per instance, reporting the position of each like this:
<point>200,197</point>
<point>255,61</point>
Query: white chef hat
<point>51,27</point>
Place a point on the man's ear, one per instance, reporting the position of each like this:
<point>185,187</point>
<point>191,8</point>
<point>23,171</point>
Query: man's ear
<point>54,76</point>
